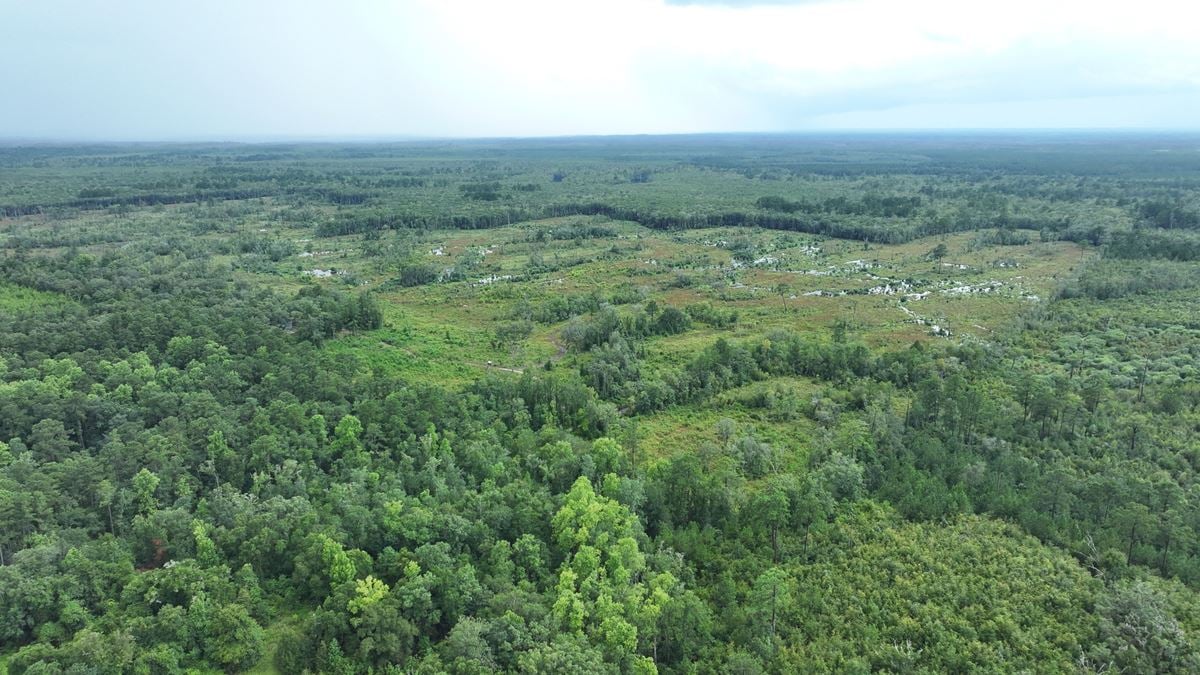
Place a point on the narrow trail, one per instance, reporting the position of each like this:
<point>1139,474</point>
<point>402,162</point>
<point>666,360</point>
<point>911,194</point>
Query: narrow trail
<point>492,366</point>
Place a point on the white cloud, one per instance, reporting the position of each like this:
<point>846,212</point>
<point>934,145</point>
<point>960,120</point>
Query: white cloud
<point>527,67</point>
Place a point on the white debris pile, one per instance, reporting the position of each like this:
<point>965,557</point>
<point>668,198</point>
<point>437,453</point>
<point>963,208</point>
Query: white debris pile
<point>320,274</point>
<point>978,288</point>
<point>889,289</point>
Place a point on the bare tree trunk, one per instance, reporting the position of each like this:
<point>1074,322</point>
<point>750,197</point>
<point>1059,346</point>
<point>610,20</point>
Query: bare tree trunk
<point>771,639</point>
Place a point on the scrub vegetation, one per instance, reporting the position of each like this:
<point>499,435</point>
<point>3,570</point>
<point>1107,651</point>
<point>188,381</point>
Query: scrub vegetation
<point>716,404</point>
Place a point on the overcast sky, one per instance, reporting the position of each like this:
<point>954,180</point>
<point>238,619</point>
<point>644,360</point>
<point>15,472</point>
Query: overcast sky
<point>243,69</point>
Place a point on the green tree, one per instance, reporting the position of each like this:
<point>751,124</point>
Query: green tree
<point>145,483</point>
<point>206,550</point>
<point>770,599</point>
<point>1139,633</point>
<point>233,639</point>
<point>340,568</point>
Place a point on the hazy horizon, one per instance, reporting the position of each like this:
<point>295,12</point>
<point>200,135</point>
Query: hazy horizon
<point>379,70</point>
<point>914,132</point>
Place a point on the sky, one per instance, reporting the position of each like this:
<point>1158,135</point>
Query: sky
<point>273,69</point>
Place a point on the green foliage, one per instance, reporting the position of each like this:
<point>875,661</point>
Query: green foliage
<point>967,596</point>
<point>341,567</point>
<point>310,417</point>
<point>233,639</point>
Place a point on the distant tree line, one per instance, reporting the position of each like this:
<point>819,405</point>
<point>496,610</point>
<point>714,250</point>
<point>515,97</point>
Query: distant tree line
<point>359,223</point>
<point>883,206</point>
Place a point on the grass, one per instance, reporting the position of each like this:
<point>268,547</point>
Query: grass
<point>682,429</point>
<point>447,333</point>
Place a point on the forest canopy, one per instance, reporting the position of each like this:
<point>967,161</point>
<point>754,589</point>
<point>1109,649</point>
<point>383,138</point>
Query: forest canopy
<point>704,404</point>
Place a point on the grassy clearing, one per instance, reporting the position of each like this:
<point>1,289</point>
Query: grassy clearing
<point>686,428</point>
<point>447,332</point>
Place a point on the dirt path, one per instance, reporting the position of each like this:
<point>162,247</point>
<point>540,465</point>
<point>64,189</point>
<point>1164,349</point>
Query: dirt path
<point>492,366</point>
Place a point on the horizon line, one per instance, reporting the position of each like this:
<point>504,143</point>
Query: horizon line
<point>316,139</point>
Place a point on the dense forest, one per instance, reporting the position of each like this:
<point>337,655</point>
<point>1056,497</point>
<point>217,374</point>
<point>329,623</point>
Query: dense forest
<point>755,404</point>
